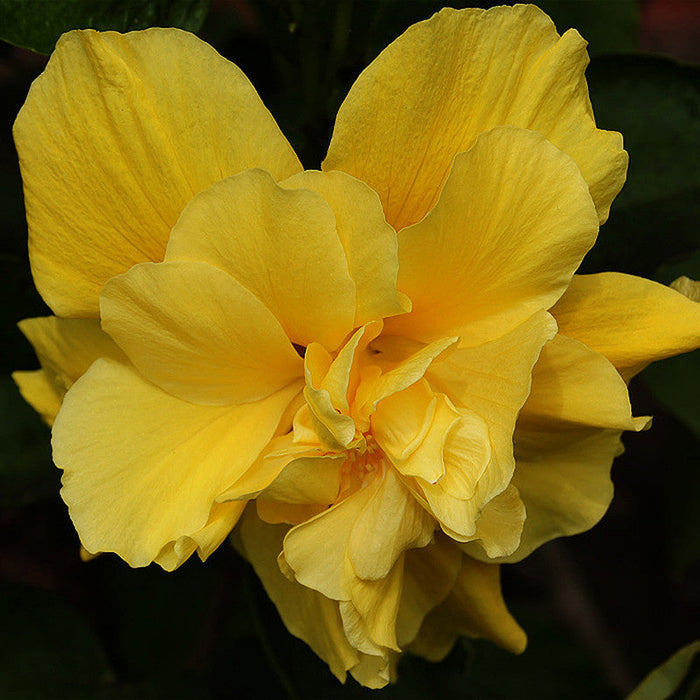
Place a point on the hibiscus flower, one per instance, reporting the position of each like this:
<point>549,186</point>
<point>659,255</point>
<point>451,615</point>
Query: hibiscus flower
<point>388,364</point>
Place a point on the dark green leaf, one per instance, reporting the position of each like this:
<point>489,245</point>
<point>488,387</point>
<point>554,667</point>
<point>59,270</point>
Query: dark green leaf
<point>37,24</point>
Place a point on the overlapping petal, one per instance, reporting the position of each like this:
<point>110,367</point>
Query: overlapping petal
<point>197,333</point>
<point>116,136</point>
<point>281,244</point>
<point>429,95</point>
<point>369,242</point>
<point>66,348</point>
<point>142,468</point>
<point>512,224</point>
<point>630,320</point>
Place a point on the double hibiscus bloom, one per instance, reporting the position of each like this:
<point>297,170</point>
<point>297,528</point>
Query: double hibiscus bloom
<point>386,370</point>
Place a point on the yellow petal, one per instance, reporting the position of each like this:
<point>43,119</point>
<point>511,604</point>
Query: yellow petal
<point>402,375</point>
<point>429,575</point>
<point>412,427</point>
<point>513,223</point>
<point>391,523</point>
<point>475,607</point>
<point>66,348</point>
<point>306,613</point>
<point>373,609</point>
<point>280,244</point>
<point>575,385</point>
<point>630,320</point>
<point>221,521</point>
<point>197,333</point>
<point>316,550</point>
<point>335,430</point>
<point>116,136</point>
<point>143,468</point>
<point>40,393</point>
<point>499,527</point>
<point>492,381</point>
<point>563,476</point>
<point>430,94</point>
<point>687,287</point>
<point>369,242</point>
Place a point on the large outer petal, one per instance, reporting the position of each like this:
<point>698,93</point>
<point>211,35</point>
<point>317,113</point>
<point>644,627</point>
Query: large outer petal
<point>281,244</point>
<point>143,468</point>
<point>428,96</point>
<point>513,223</point>
<point>566,438</point>
<point>475,607</point>
<point>66,347</point>
<point>198,333</point>
<point>116,136</point>
<point>369,242</point>
<point>630,320</point>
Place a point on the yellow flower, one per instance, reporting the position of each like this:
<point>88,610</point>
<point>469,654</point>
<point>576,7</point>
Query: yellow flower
<point>407,410</point>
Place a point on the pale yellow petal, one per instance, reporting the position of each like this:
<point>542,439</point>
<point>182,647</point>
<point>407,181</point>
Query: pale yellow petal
<point>116,136</point>
<point>373,609</point>
<point>630,320</point>
<point>513,223</point>
<point>316,550</point>
<point>197,333</point>
<point>222,520</point>
<point>368,240</point>
<point>391,523</point>
<point>429,575</point>
<point>430,94</point>
<point>280,244</point>
<point>499,527</point>
<point>143,468</point>
<point>412,427</point>
<point>306,613</point>
<point>687,287</point>
<point>475,608</point>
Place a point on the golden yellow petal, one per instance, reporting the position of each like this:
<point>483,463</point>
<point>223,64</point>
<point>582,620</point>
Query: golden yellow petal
<point>368,240</point>
<point>512,225</point>
<point>280,244</point>
<point>116,136</point>
<point>143,468</point>
<point>429,95</point>
<point>197,333</point>
<point>630,320</point>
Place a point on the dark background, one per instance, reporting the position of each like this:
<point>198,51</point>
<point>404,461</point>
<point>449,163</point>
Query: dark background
<point>601,609</point>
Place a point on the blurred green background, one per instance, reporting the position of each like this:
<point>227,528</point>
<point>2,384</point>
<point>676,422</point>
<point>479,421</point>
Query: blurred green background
<point>601,609</point>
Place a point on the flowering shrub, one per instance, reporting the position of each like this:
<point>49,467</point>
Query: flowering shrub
<point>386,370</point>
